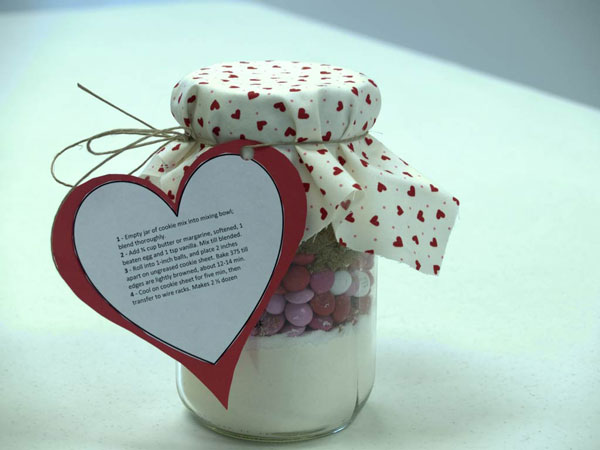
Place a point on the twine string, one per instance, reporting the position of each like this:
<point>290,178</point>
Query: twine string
<point>152,136</point>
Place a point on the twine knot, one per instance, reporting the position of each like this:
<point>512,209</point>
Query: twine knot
<point>154,136</point>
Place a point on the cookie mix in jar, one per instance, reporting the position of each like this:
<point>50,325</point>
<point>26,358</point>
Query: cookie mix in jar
<point>308,367</point>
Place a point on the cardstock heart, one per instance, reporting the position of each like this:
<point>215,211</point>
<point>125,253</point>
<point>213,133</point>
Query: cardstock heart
<point>190,275</point>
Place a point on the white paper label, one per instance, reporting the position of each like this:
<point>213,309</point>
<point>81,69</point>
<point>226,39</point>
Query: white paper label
<point>192,279</point>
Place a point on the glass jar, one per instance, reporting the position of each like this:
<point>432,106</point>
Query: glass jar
<point>309,365</point>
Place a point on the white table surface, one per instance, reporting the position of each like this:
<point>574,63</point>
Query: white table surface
<point>500,352</point>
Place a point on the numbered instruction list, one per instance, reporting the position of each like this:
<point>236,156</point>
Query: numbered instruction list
<point>174,258</point>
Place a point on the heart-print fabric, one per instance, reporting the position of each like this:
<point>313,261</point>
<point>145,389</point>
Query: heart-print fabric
<point>374,200</point>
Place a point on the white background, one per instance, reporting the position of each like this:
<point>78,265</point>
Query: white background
<point>501,351</point>
<point>549,44</point>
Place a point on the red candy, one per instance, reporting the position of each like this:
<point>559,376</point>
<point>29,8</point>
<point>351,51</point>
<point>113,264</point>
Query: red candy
<point>324,323</point>
<point>325,311</point>
<point>364,304</point>
<point>322,281</point>
<point>296,279</point>
<point>303,259</point>
<point>323,304</point>
<point>342,308</point>
<point>280,290</point>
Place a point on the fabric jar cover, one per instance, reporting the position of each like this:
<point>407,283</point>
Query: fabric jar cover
<point>373,199</point>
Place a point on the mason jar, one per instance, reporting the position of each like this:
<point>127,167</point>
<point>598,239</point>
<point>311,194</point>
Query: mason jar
<point>309,365</point>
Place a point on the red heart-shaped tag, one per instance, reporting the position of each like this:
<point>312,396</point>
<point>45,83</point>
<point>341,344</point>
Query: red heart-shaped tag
<point>112,234</point>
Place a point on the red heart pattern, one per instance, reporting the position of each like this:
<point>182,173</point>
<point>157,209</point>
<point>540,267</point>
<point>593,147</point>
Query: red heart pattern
<point>295,102</point>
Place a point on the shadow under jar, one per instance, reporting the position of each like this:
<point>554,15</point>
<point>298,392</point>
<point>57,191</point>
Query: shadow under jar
<point>309,365</point>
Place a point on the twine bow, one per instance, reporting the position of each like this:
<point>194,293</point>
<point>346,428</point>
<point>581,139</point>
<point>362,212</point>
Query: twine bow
<point>163,137</point>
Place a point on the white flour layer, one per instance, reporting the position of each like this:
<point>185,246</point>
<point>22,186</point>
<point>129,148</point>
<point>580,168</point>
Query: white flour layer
<point>292,384</point>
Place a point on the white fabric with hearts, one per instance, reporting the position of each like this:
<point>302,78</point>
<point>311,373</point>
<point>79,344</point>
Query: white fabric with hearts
<point>373,199</point>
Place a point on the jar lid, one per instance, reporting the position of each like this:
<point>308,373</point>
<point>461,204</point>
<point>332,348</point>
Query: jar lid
<point>275,101</point>
<point>373,199</point>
